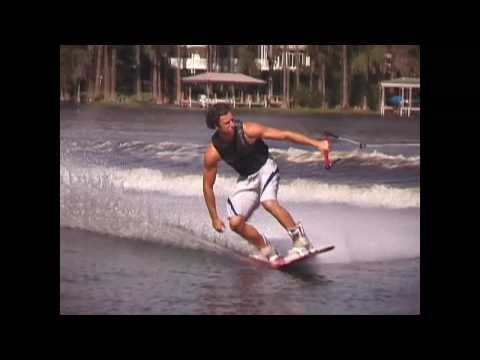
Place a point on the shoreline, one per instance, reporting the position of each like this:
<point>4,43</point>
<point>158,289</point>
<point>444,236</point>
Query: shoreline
<point>259,110</point>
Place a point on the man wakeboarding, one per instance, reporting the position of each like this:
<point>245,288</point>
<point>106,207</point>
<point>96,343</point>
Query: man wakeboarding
<point>240,145</point>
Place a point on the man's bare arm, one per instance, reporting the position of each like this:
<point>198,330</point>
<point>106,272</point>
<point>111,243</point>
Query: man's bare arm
<point>255,130</point>
<point>210,162</point>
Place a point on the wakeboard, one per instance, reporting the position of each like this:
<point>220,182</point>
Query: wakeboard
<point>283,262</point>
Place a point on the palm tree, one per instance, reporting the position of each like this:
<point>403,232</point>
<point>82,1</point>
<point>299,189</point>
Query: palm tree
<point>246,60</point>
<point>365,58</point>
<point>345,90</point>
<point>179,63</point>
<point>311,54</point>
<point>156,54</point>
<point>270,60</point>
<point>230,58</point>
<point>91,73</point>
<point>211,57</point>
<point>106,72</point>
<point>113,86</point>
<point>318,63</point>
<point>286,78</point>
<point>152,51</point>
<point>74,68</point>
<point>231,66</point>
<point>98,72</point>
<point>297,68</point>
<point>138,50</point>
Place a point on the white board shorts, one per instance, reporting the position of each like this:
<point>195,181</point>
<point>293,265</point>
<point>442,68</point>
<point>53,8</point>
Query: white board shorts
<point>252,190</point>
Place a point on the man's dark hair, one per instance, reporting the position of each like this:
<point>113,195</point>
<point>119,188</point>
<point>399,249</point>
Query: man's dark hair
<point>214,113</point>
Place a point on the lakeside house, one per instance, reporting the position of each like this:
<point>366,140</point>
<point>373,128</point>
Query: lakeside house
<point>400,95</point>
<point>195,59</point>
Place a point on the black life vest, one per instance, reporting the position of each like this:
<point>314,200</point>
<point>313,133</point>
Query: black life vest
<point>244,157</point>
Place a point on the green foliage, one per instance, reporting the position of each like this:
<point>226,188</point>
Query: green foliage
<point>373,98</point>
<point>246,60</point>
<point>366,65</point>
<point>305,98</point>
<point>74,64</point>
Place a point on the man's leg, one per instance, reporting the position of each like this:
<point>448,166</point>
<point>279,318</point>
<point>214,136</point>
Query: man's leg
<point>280,213</point>
<point>295,231</point>
<point>247,231</point>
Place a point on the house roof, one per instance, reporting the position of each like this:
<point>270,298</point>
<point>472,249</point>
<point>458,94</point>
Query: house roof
<point>402,82</point>
<point>223,78</point>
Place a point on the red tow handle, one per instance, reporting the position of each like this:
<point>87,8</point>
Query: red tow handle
<point>327,161</point>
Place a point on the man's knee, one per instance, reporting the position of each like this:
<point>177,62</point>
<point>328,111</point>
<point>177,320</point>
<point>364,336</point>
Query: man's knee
<point>269,205</point>
<point>236,223</point>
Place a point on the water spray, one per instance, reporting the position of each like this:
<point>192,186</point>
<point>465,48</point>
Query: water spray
<point>362,146</point>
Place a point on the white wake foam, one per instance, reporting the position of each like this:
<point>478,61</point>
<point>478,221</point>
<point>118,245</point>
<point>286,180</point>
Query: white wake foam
<point>358,157</point>
<point>151,180</point>
<point>190,152</point>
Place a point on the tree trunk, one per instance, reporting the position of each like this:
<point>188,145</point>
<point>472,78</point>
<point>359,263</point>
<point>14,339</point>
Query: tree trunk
<point>230,58</point>
<point>321,84</point>
<point>345,99</point>
<point>365,94</point>
<point>310,85</point>
<point>209,58</point>
<point>284,67</point>
<point>297,68</point>
<point>106,70</point>
<point>288,87</point>
<point>163,70</point>
<point>113,87</point>
<point>215,62</point>
<point>98,74</point>
<point>154,78</point>
<point>66,94</point>
<point>138,72</point>
<point>179,88</point>
<point>91,73</point>
<point>78,92</point>
<point>270,73</point>
<point>159,99</point>
<point>230,67</point>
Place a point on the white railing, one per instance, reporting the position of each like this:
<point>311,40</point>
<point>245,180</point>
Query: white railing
<point>198,63</point>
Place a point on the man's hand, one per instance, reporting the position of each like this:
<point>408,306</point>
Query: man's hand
<point>218,225</point>
<point>324,145</point>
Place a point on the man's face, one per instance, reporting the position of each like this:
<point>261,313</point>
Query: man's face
<point>226,124</point>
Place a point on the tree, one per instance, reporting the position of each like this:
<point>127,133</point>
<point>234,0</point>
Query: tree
<point>74,63</point>
<point>156,53</point>
<point>113,86</point>
<point>323,72</point>
<point>179,79</point>
<point>406,60</point>
<point>106,72</point>
<point>286,78</point>
<point>312,67</point>
<point>271,62</point>
<point>98,73</point>
<point>138,49</point>
<point>345,78</point>
<point>230,58</point>
<point>152,53</point>
<point>297,68</point>
<point>211,58</point>
<point>91,73</point>
<point>247,60</point>
<point>319,55</point>
<point>365,60</point>
<point>157,78</point>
